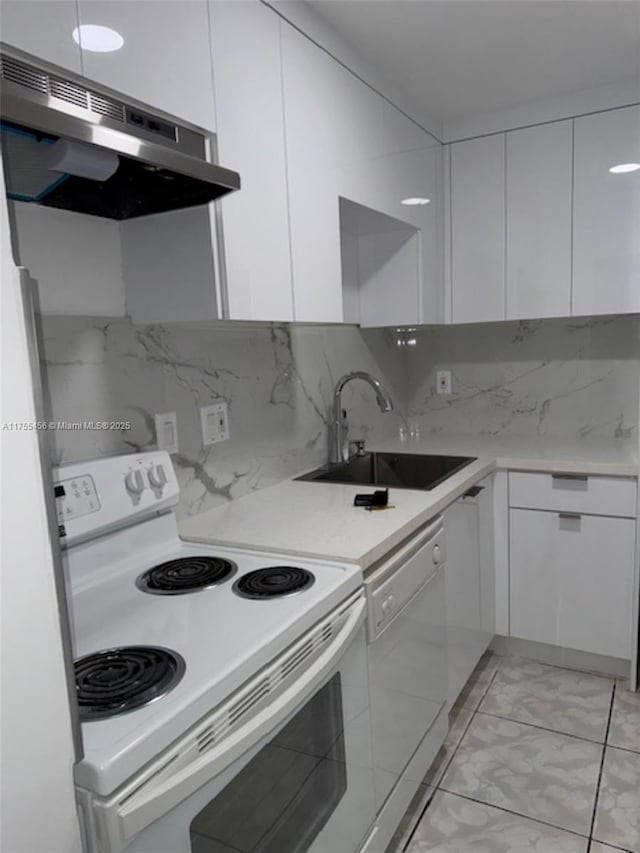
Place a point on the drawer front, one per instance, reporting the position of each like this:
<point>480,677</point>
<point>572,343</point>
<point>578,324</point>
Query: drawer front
<point>594,495</point>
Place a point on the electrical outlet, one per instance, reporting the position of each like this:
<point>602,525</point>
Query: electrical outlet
<point>215,423</point>
<point>443,382</point>
<point>167,432</point>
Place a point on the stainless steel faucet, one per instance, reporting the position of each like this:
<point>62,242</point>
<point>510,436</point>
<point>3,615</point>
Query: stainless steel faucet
<point>340,439</point>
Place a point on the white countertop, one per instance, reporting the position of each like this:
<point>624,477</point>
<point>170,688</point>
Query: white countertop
<point>570,456</point>
<point>319,519</point>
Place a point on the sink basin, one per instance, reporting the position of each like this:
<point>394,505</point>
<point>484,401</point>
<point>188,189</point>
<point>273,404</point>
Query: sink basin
<point>400,470</point>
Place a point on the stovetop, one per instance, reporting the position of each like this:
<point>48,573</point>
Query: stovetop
<point>224,638</point>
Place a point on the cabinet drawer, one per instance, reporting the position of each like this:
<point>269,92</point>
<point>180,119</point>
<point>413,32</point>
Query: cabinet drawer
<point>594,495</point>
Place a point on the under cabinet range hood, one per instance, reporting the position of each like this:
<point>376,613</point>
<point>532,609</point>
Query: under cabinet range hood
<point>72,145</point>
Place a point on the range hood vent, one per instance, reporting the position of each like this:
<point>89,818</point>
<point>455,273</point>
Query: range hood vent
<point>163,163</point>
<point>14,71</point>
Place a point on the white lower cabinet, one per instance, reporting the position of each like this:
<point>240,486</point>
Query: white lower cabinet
<point>571,580</point>
<point>469,584</point>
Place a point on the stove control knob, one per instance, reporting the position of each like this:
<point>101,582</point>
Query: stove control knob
<point>134,483</point>
<point>157,477</point>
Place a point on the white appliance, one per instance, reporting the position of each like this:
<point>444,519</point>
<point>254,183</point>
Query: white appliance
<point>71,144</point>
<point>263,743</point>
<point>37,732</point>
<point>407,656</point>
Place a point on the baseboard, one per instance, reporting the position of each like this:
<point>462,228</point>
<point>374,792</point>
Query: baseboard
<point>559,656</point>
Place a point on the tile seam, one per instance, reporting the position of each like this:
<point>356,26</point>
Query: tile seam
<point>604,752</point>
<point>544,728</point>
<point>517,814</point>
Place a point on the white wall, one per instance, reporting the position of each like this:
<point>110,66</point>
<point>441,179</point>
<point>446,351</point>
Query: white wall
<point>37,799</point>
<point>76,260</point>
<point>322,33</point>
<point>620,94</point>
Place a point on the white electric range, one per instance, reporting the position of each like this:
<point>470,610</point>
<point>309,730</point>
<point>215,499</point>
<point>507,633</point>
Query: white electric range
<point>209,677</point>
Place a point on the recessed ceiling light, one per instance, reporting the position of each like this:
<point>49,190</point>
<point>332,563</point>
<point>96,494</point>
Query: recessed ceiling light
<point>415,200</point>
<point>97,38</point>
<point>622,168</point>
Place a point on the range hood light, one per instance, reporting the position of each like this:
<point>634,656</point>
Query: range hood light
<point>415,201</point>
<point>85,161</point>
<point>623,168</point>
<point>97,38</point>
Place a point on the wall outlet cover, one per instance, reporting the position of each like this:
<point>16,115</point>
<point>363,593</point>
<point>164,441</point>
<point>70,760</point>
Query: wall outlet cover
<point>167,432</point>
<point>443,382</point>
<point>215,423</point>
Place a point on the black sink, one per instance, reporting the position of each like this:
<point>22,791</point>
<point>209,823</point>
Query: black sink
<point>400,470</point>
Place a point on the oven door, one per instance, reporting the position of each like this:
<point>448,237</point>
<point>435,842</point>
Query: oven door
<point>305,784</point>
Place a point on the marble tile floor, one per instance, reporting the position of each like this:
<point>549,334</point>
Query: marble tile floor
<point>539,759</point>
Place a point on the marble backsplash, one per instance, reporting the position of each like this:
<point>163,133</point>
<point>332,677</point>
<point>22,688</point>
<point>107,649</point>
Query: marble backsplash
<point>572,379</point>
<point>277,381</point>
<point>577,378</point>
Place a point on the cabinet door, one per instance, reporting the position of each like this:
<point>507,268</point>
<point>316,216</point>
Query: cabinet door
<point>487,558</point>
<point>384,158</point>
<point>165,60</point>
<point>606,214</point>
<point>465,642</point>
<point>309,103</point>
<point>572,580</point>
<point>408,166</point>
<point>478,229</point>
<point>43,28</point>
<point>539,221</point>
<point>245,39</point>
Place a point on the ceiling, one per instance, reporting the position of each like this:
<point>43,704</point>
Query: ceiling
<point>458,58</point>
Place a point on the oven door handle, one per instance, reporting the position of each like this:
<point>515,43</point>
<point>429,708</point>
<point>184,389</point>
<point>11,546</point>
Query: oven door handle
<point>140,804</point>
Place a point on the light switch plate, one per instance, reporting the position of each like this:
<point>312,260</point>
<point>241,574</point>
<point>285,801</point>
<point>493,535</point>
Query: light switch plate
<point>215,423</point>
<point>167,432</point>
<point>443,382</point>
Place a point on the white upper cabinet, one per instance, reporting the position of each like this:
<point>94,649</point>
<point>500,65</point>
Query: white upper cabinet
<point>358,253</point>
<point>394,250</point>
<point>478,230</point>
<point>310,107</point>
<point>245,40</point>
<point>606,237</point>
<point>43,28</point>
<point>165,60</point>
<point>404,163</point>
<point>539,163</point>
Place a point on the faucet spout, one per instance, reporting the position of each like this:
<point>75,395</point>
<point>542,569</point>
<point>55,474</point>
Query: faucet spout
<point>339,441</point>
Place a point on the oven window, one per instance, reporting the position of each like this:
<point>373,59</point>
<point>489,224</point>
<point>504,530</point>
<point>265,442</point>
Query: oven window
<point>282,798</point>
